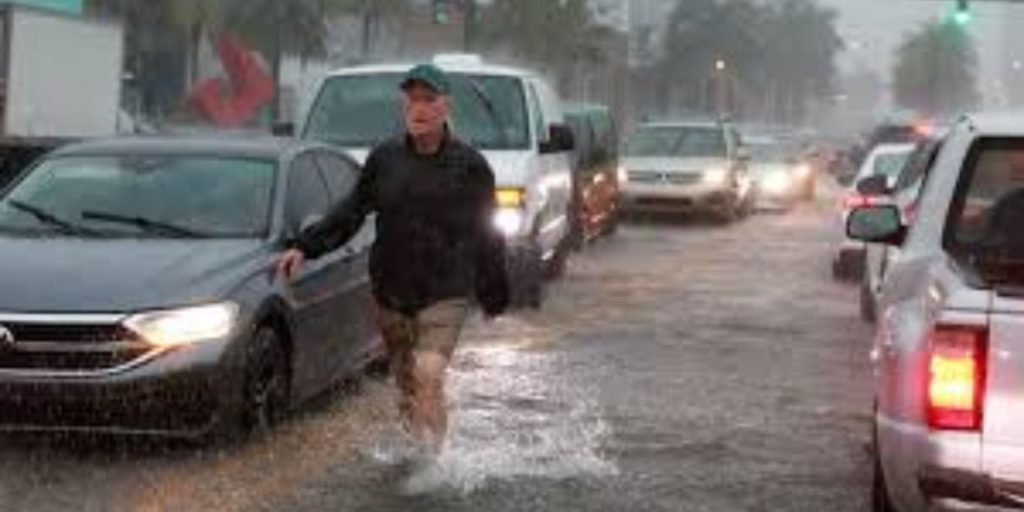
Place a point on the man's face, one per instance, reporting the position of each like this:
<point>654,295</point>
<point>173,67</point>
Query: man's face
<point>426,110</point>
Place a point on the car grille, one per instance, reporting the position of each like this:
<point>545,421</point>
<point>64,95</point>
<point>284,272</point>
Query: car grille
<point>658,177</point>
<point>68,347</point>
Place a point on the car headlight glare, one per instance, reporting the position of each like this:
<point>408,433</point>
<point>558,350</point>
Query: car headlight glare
<point>716,176</point>
<point>509,221</point>
<point>802,171</point>
<point>623,175</point>
<point>185,326</point>
<point>777,182</point>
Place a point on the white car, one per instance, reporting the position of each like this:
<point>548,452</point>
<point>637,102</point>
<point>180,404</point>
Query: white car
<point>780,178</point>
<point>885,160</point>
<point>949,351</point>
<point>684,167</point>
<point>511,115</point>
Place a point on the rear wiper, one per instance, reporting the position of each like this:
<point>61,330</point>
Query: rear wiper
<point>48,218</point>
<point>152,226</point>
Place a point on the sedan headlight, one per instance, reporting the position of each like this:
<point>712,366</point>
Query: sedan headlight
<point>509,221</point>
<point>716,176</point>
<point>178,327</point>
<point>623,175</point>
<point>802,171</point>
<point>777,183</point>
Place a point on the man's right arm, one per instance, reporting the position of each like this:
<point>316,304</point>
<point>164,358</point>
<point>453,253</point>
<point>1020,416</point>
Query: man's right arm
<point>344,219</point>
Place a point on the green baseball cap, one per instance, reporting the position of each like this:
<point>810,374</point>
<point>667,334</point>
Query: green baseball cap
<point>429,75</point>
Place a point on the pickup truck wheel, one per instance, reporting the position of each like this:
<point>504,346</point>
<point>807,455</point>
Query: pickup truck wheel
<point>880,500</point>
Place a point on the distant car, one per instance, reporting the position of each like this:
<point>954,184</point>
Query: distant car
<point>140,293</point>
<point>886,160</point>
<point>905,194</point>
<point>948,365</point>
<point>779,175</point>
<point>681,167</point>
<point>595,171</point>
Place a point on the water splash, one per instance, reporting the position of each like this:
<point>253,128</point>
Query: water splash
<point>519,414</point>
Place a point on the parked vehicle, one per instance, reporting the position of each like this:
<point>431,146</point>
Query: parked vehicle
<point>905,195</point>
<point>780,178</point>
<point>43,52</point>
<point>887,161</point>
<point>147,300</point>
<point>513,116</point>
<point>595,171</point>
<point>688,166</point>
<point>947,359</point>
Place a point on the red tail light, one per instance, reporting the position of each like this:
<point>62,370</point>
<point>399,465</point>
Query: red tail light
<point>956,378</point>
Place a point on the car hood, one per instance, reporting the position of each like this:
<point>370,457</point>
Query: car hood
<point>56,275</point>
<point>671,164</point>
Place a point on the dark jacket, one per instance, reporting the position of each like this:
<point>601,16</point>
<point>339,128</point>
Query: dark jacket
<point>435,234</point>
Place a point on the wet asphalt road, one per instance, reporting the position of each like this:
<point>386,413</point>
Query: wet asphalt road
<point>677,367</point>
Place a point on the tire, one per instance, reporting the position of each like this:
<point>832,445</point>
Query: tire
<point>267,377</point>
<point>868,309</point>
<point>526,276</point>
<point>880,499</point>
<point>839,270</point>
<point>555,268</point>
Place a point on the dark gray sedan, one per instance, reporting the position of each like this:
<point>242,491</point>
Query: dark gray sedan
<point>139,294</point>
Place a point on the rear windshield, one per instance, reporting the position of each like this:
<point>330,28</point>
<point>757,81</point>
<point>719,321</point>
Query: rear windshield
<point>984,225</point>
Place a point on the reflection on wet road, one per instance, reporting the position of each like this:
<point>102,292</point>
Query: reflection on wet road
<point>676,367</point>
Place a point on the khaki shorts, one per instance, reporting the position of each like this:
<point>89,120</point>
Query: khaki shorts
<point>434,329</point>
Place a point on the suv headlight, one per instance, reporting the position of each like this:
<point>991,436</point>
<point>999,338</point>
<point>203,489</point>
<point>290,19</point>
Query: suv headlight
<point>185,326</point>
<point>716,176</point>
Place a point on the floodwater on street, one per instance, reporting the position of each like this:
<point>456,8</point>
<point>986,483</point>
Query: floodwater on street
<point>678,366</point>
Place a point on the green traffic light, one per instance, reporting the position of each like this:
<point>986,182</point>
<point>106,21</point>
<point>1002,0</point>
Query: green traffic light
<point>963,18</point>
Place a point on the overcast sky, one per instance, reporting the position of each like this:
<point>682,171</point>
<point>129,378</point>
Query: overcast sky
<point>874,29</point>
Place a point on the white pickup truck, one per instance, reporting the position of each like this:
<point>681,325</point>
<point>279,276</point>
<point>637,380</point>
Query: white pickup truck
<point>949,353</point>
<point>60,81</point>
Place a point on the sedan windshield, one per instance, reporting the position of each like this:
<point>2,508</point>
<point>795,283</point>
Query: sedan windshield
<point>143,196</point>
<point>676,141</point>
<point>361,111</point>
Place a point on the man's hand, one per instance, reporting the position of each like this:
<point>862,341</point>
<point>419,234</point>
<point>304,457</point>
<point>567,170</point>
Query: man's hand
<point>290,263</point>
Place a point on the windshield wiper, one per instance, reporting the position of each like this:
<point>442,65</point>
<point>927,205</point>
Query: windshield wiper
<point>48,218</point>
<point>492,111</point>
<point>149,225</point>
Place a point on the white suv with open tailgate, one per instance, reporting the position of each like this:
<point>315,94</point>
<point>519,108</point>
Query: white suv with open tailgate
<point>949,352</point>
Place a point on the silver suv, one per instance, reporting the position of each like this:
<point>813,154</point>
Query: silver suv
<point>949,353</point>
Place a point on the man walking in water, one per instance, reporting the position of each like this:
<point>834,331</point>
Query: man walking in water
<point>436,249</point>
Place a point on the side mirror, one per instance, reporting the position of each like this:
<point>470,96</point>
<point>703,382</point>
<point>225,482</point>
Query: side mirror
<point>560,139</point>
<point>283,129</point>
<point>876,224</point>
<point>873,186</point>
